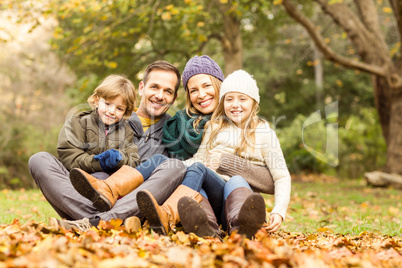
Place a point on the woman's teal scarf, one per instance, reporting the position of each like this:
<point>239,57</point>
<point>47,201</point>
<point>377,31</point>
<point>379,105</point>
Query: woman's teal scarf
<point>179,136</point>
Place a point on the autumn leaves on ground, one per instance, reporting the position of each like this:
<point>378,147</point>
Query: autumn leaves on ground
<point>331,223</point>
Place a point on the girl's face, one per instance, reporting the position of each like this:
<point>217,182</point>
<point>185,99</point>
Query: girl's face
<point>111,111</point>
<point>202,93</point>
<point>238,107</point>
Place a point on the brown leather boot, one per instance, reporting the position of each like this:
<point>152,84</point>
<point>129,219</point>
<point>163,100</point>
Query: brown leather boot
<point>244,211</point>
<point>199,218</point>
<point>163,218</point>
<point>104,193</point>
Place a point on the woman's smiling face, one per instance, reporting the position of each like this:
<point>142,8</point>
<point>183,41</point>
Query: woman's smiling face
<point>202,93</point>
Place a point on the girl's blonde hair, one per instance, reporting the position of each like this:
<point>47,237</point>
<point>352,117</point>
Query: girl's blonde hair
<point>190,109</point>
<point>219,121</point>
<point>112,87</point>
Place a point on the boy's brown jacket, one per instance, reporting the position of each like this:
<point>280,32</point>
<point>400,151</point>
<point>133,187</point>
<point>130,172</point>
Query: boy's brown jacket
<point>83,136</point>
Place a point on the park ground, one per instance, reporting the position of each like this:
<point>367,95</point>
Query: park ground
<point>331,222</point>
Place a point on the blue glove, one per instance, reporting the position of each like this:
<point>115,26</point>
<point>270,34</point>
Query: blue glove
<point>109,159</point>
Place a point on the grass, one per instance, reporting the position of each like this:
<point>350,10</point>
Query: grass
<point>24,205</point>
<point>343,206</point>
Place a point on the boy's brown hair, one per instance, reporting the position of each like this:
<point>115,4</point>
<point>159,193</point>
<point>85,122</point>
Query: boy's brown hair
<point>113,86</point>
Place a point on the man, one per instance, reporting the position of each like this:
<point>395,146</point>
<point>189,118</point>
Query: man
<point>158,91</point>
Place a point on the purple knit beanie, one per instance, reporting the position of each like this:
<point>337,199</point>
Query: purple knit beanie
<point>201,65</point>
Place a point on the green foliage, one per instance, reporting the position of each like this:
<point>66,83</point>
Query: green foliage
<point>83,88</point>
<point>293,145</point>
<point>108,36</point>
<point>361,145</point>
<point>18,142</point>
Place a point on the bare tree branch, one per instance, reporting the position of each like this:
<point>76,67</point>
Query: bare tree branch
<point>326,50</point>
<point>364,40</point>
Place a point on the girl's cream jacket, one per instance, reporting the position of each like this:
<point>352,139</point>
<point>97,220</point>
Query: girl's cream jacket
<point>264,151</point>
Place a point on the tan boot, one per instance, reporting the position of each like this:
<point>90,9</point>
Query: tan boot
<point>163,218</point>
<point>104,193</point>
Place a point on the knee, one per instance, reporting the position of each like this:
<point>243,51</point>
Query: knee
<point>174,166</point>
<point>155,160</point>
<point>237,182</point>
<point>197,166</point>
<point>160,158</point>
<point>237,179</point>
<point>36,159</point>
<point>35,166</point>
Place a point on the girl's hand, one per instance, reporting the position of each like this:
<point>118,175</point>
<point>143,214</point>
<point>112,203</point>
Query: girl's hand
<point>275,221</point>
<point>214,159</point>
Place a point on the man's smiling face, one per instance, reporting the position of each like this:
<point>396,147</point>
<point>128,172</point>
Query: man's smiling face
<point>157,94</point>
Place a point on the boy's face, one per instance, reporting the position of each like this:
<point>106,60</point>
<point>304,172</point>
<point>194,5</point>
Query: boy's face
<point>158,94</point>
<point>111,111</point>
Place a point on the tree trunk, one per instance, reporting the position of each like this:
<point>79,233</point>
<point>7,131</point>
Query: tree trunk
<point>232,43</point>
<point>382,101</point>
<point>394,148</point>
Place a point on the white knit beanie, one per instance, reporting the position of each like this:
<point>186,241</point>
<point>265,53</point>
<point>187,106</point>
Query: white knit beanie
<point>240,81</point>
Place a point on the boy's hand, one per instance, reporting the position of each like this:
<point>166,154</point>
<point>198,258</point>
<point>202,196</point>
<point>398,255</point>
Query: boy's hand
<point>275,221</point>
<point>109,159</point>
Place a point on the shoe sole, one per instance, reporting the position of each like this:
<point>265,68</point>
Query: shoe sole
<point>148,210</point>
<point>251,215</point>
<point>193,217</point>
<point>82,186</point>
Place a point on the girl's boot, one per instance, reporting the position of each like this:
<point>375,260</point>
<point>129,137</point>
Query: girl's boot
<point>163,218</point>
<point>244,211</point>
<point>104,193</point>
<point>198,218</point>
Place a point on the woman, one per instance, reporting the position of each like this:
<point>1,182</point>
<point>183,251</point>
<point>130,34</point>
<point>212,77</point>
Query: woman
<point>182,136</point>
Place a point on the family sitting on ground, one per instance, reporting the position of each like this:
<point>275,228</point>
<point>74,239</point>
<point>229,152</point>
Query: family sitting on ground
<point>204,168</point>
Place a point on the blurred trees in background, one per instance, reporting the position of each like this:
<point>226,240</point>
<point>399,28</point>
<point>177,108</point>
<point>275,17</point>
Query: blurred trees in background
<point>374,34</point>
<point>32,88</point>
<point>94,38</point>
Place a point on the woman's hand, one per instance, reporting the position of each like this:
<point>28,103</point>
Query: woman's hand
<point>214,159</point>
<point>275,221</point>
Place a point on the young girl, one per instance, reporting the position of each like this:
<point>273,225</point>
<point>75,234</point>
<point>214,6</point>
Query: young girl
<point>101,140</point>
<point>234,128</point>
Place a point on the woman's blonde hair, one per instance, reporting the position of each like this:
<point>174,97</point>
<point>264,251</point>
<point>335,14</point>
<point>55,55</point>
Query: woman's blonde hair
<point>112,87</point>
<point>219,121</point>
<point>190,109</point>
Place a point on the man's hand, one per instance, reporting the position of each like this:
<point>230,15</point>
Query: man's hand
<point>275,221</point>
